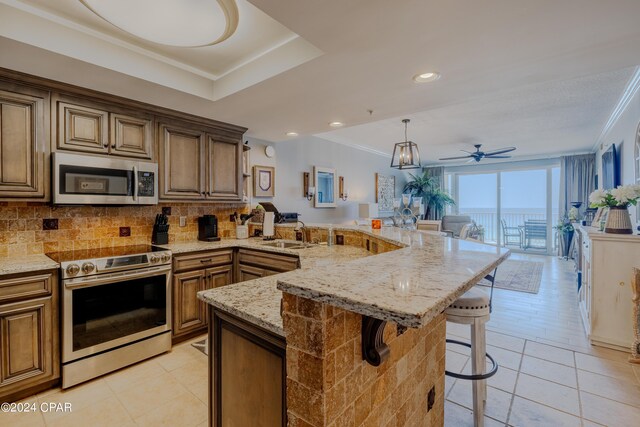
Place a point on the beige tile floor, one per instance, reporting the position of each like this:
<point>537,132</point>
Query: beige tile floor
<point>549,374</point>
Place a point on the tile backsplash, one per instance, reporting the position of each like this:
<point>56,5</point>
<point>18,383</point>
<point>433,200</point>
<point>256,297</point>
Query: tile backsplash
<point>84,227</point>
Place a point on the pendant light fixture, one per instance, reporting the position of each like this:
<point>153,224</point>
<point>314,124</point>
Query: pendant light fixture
<point>405,154</point>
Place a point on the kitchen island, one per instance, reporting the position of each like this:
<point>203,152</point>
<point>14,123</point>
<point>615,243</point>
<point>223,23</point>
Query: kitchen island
<point>354,339</point>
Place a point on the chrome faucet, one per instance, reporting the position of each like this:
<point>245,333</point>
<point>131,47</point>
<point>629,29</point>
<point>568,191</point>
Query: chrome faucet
<point>301,230</point>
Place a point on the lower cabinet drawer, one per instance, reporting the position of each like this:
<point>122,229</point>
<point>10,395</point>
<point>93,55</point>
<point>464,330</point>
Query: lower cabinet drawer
<point>25,287</point>
<point>202,260</point>
<point>271,261</point>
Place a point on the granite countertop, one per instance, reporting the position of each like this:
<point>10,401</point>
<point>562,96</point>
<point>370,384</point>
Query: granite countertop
<point>26,264</point>
<point>408,286</point>
<point>258,300</point>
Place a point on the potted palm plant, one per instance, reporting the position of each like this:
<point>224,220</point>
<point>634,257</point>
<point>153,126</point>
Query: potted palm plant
<point>435,200</point>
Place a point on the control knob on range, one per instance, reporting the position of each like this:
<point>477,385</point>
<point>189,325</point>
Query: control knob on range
<point>72,269</point>
<point>165,257</point>
<point>154,259</point>
<point>88,267</point>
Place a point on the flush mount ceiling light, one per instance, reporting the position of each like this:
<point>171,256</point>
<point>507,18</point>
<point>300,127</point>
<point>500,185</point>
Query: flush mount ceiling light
<point>426,77</point>
<point>336,124</point>
<point>292,133</point>
<point>405,154</point>
<point>184,23</point>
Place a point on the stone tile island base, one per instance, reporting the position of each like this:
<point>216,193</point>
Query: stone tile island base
<point>329,384</point>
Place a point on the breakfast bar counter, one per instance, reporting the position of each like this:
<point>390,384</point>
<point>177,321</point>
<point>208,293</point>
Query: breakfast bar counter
<point>347,338</point>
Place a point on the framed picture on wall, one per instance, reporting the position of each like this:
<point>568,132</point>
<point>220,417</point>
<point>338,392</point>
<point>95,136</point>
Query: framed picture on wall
<point>264,181</point>
<point>385,192</point>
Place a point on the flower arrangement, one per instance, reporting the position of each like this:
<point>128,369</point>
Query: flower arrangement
<point>564,225</point>
<point>574,214</point>
<point>622,196</point>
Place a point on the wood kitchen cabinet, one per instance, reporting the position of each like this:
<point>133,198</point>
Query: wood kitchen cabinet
<point>131,136</point>
<point>196,164</point>
<point>29,335</point>
<point>224,168</point>
<point>253,264</point>
<point>194,273</point>
<point>247,374</point>
<point>182,163</point>
<point>24,143</point>
<point>93,128</point>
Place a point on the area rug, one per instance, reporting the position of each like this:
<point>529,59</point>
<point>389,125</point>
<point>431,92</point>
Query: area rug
<point>521,276</point>
<point>201,345</point>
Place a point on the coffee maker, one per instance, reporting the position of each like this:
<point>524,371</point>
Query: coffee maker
<point>208,228</point>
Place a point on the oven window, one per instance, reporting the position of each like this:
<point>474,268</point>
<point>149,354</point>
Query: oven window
<point>107,312</point>
<point>98,181</point>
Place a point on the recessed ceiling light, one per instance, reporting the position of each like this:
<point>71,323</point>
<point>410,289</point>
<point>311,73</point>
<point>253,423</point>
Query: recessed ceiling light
<point>426,77</point>
<point>292,133</point>
<point>336,124</point>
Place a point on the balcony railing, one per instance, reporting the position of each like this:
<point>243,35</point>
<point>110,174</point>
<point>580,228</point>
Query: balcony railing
<point>489,220</point>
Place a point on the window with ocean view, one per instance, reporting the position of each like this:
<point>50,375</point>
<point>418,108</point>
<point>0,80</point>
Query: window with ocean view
<point>516,208</point>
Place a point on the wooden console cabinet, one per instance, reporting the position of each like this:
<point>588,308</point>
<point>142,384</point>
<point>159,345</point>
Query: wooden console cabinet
<point>606,261</point>
<point>29,335</point>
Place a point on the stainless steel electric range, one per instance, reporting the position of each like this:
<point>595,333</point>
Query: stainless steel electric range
<point>116,308</point>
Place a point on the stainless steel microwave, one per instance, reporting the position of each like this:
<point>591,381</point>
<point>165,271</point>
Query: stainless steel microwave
<point>80,180</point>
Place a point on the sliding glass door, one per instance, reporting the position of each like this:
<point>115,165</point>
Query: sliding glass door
<point>515,206</point>
<point>523,210</point>
<point>478,198</point>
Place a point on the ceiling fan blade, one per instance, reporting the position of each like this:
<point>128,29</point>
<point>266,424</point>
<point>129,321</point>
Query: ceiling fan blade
<point>471,160</point>
<point>500,151</point>
<point>456,158</point>
<point>489,156</point>
<point>468,152</point>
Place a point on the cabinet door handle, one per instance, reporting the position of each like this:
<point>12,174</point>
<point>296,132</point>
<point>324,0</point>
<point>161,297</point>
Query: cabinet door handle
<point>206,260</point>
<point>621,284</point>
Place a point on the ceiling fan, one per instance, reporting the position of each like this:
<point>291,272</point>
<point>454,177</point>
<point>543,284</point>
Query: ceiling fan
<point>479,155</point>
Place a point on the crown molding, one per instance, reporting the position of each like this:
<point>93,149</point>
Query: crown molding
<point>627,95</point>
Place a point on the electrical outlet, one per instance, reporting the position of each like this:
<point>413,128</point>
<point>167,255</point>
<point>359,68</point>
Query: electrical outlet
<point>183,221</point>
<point>339,239</point>
<point>431,398</point>
<point>125,231</point>
<point>299,236</point>
<point>232,217</point>
<point>50,224</point>
<point>166,210</point>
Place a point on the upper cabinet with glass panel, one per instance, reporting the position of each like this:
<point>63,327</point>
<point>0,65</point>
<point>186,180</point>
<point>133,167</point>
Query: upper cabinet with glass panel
<point>325,180</point>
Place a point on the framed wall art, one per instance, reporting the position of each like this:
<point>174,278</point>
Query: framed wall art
<point>385,192</point>
<point>264,181</point>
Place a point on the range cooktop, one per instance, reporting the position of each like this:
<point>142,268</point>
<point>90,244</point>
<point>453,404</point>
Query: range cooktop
<point>89,262</point>
<point>115,251</point>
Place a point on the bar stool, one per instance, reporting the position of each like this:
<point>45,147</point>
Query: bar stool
<point>473,308</point>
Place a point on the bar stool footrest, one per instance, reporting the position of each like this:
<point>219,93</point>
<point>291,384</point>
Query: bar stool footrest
<point>492,371</point>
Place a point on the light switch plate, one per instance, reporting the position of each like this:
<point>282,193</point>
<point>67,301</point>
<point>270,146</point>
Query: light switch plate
<point>183,221</point>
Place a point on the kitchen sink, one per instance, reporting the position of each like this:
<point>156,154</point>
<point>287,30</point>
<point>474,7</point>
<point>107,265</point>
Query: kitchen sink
<point>287,245</point>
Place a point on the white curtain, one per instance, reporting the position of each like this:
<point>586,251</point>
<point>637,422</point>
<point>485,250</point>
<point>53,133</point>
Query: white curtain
<point>577,181</point>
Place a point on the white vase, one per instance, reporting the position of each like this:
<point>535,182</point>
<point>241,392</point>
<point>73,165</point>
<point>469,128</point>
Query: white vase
<point>618,221</point>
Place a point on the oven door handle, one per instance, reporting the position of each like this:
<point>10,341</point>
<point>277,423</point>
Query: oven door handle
<point>113,277</point>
